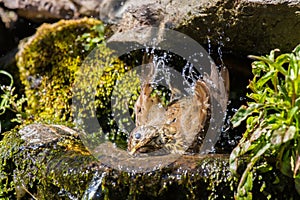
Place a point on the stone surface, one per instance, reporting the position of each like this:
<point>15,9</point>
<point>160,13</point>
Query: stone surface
<point>42,10</point>
<point>245,26</point>
<point>61,168</point>
<point>7,21</point>
<point>241,26</point>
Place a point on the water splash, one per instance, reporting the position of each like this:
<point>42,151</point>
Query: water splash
<point>65,193</point>
<point>178,44</point>
<point>94,190</point>
<point>208,42</point>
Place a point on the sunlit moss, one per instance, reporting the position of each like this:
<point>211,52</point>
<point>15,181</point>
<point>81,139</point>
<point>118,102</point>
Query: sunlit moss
<point>54,58</point>
<point>47,63</point>
<point>43,171</point>
<point>62,169</point>
<point>9,147</point>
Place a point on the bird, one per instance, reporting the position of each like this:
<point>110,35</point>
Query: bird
<point>176,128</point>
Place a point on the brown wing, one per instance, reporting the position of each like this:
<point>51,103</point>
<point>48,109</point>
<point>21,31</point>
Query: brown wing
<point>201,99</point>
<point>221,80</point>
<point>147,108</point>
<point>189,114</point>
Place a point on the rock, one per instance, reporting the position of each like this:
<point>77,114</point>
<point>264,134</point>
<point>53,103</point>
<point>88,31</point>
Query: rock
<point>39,134</point>
<point>61,167</point>
<point>8,18</point>
<point>48,10</point>
<point>7,21</point>
<point>43,10</point>
<point>55,57</point>
<point>244,26</point>
<point>53,49</point>
<point>238,26</point>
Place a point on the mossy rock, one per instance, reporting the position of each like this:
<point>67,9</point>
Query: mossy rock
<point>61,167</point>
<point>23,169</point>
<point>53,164</point>
<point>48,62</point>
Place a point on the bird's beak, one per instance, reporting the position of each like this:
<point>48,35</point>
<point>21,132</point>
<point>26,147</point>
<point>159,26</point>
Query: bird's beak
<point>135,148</point>
<point>132,151</point>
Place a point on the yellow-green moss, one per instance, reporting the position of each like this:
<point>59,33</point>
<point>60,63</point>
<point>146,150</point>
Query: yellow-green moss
<point>47,63</point>
<point>9,147</point>
<point>43,170</point>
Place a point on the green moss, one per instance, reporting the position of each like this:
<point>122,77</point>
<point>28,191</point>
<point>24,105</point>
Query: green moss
<point>47,63</point>
<point>9,147</point>
<point>47,171</point>
<point>55,57</point>
<point>63,169</point>
<point>53,170</point>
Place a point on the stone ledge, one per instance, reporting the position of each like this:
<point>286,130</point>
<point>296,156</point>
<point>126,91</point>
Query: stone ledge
<point>240,26</point>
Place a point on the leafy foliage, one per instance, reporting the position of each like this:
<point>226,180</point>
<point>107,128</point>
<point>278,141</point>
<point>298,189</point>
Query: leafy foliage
<point>272,120</point>
<point>10,100</point>
<point>91,39</point>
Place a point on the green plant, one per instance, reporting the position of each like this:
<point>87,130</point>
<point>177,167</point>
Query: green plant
<point>92,39</point>
<point>272,120</point>
<point>10,101</point>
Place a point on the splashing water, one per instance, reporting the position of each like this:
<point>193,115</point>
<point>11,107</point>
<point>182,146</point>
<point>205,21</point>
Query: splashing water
<point>94,190</point>
<point>196,64</point>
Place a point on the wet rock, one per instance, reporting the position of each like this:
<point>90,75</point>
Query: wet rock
<point>59,151</point>
<point>62,167</point>
<point>244,26</point>
<point>239,26</point>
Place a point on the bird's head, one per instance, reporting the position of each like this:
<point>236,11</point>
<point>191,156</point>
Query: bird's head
<point>146,139</point>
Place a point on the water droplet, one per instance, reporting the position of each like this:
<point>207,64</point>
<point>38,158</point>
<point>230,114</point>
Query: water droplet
<point>242,98</point>
<point>231,142</point>
<point>234,109</point>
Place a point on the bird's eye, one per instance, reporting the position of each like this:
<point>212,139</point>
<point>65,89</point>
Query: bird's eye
<point>137,136</point>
